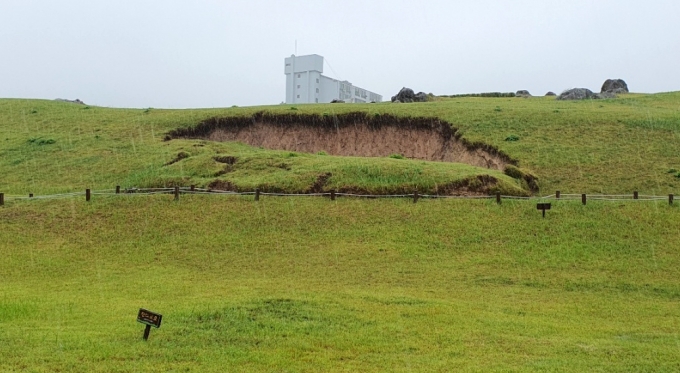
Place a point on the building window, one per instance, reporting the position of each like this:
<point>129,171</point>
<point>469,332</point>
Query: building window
<point>298,96</point>
<point>317,100</point>
<point>298,75</point>
<point>298,86</point>
<point>317,81</point>
<point>317,90</point>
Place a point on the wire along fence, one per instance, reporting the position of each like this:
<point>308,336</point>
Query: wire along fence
<point>415,196</point>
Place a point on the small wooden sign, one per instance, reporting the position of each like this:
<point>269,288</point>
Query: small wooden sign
<point>543,206</point>
<point>149,319</point>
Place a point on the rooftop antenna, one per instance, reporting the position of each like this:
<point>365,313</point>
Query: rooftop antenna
<point>296,47</point>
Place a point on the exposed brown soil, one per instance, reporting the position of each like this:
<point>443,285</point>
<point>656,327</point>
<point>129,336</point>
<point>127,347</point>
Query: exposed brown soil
<point>229,164</point>
<point>351,134</point>
<point>481,185</point>
<point>227,159</point>
<point>222,185</point>
<point>320,182</point>
<point>180,156</point>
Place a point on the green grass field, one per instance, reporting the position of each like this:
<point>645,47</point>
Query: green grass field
<point>352,285</point>
<point>312,285</point>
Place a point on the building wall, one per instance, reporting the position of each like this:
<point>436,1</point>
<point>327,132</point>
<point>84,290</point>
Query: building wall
<point>303,77</point>
<point>329,89</point>
<point>306,84</point>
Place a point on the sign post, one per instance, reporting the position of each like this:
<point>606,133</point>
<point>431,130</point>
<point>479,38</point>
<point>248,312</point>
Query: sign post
<point>149,319</point>
<point>543,206</point>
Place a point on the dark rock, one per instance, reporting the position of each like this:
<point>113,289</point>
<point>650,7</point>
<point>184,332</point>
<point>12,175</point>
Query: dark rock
<point>420,97</point>
<point>616,91</point>
<point>76,101</point>
<point>336,101</point>
<point>578,94</point>
<point>407,95</point>
<point>404,95</point>
<point>550,93</point>
<point>522,93</point>
<point>608,94</point>
<point>614,86</point>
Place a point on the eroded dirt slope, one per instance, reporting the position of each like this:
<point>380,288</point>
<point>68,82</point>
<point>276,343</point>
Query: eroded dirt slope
<point>352,134</point>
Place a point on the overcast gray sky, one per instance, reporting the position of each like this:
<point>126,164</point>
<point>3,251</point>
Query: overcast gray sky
<point>201,53</point>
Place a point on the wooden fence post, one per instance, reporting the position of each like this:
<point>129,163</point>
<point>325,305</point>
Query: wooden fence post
<point>192,187</point>
<point>117,189</point>
<point>557,194</point>
<point>30,195</point>
<point>2,199</point>
<point>333,195</point>
<point>88,195</point>
<point>635,195</point>
<point>415,196</point>
<point>670,199</point>
<point>176,193</point>
<point>583,198</point>
<point>257,194</point>
<point>498,198</point>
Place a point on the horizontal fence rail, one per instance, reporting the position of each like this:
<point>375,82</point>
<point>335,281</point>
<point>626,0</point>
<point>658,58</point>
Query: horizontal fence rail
<point>177,191</point>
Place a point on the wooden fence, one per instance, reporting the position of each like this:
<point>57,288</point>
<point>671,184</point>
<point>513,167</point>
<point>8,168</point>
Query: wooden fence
<point>415,196</point>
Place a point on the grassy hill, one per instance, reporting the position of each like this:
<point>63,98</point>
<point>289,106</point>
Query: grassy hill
<point>309,284</point>
<point>598,146</point>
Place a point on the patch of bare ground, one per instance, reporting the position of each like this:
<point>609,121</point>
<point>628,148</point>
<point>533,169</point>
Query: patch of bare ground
<point>351,134</point>
<point>228,161</point>
<point>222,185</point>
<point>179,157</point>
<point>481,185</point>
<point>319,183</point>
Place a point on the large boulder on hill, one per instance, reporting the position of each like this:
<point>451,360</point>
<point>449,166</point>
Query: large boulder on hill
<point>578,94</point>
<point>407,95</point>
<point>550,93</point>
<point>522,93</point>
<point>614,86</point>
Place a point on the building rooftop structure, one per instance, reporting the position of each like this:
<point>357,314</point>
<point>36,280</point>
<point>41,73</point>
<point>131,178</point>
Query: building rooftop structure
<point>305,83</point>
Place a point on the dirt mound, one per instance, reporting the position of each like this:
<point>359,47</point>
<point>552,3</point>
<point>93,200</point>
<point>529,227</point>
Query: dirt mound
<point>351,134</point>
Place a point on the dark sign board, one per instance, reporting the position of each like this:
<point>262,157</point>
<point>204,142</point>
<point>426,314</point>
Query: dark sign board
<point>149,318</point>
<point>542,206</point>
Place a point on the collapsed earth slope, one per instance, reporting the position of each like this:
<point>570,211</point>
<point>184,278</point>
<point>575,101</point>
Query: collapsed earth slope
<point>351,134</point>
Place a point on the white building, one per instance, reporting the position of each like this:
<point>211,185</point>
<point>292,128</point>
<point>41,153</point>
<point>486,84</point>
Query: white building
<point>306,84</point>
